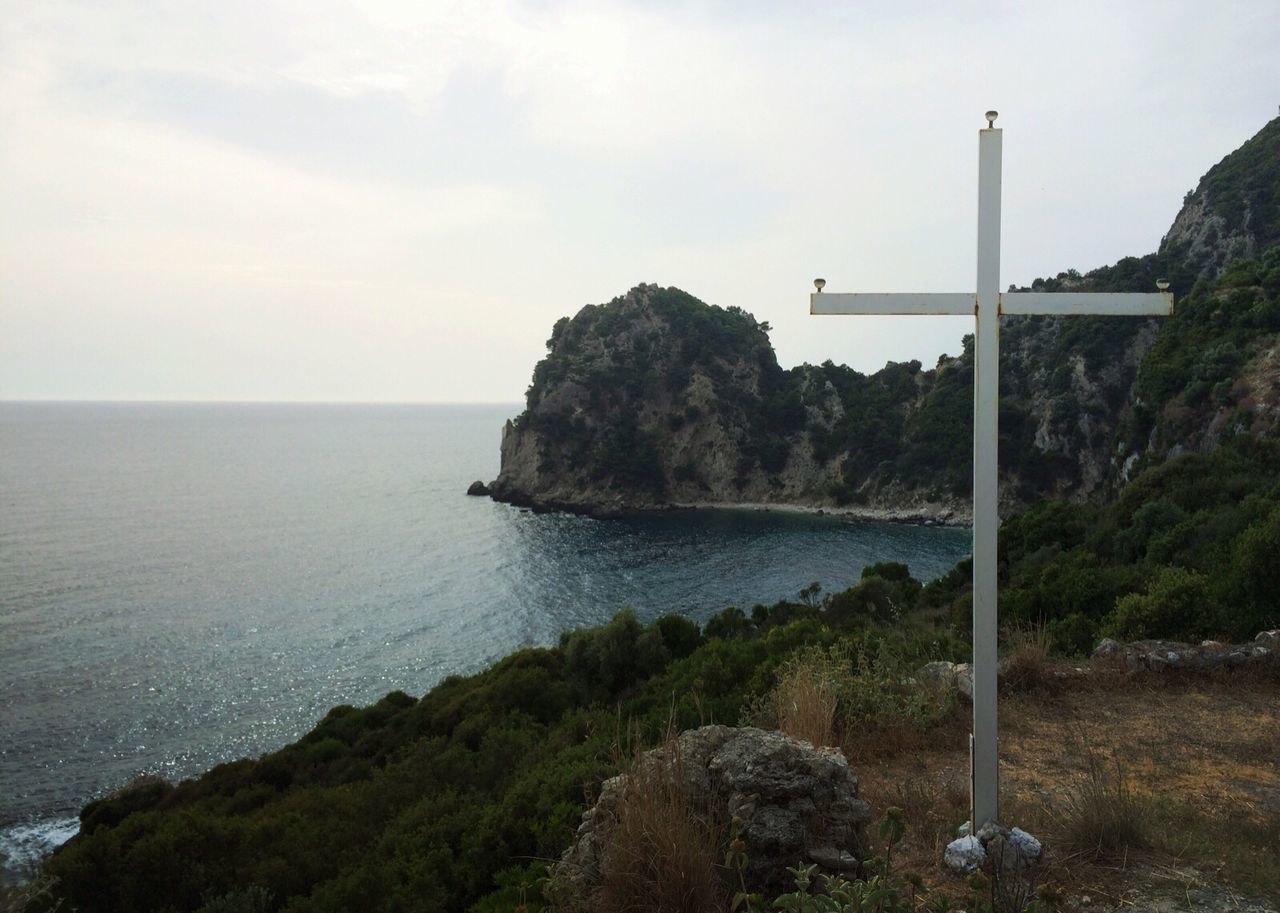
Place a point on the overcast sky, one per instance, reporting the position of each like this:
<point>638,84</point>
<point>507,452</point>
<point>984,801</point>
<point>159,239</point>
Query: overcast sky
<point>395,201</point>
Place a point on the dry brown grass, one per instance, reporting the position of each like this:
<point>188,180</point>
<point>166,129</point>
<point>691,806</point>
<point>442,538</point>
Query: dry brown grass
<point>805,699</point>
<point>1102,816</point>
<point>666,848</point>
<point>1199,756</point>
<point>1026,665</point>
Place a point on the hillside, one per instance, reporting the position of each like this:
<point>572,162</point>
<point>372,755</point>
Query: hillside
<point>457,800</point>
<point>656,398</point>
<point>1152,790</point>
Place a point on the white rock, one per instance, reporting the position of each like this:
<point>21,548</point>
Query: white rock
<point>1028,847</point>
<point>939,674</point>
<point>964,855</point>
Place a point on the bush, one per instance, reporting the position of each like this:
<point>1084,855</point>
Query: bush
<point>600,662</point>
<point>1174,606</point>
<point>679,635</point>
<point>730,624</point>
<point>1256,568</point>
<point>827,695</point>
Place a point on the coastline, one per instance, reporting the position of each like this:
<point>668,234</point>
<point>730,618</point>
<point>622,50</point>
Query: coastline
<point>926,514</point>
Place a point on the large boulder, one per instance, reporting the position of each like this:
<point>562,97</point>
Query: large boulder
<point>795,804</point>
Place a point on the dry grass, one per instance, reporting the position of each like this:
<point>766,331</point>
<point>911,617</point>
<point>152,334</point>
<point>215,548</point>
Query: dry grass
<point>1026,665</point>
<point>868,706</point>
<point>805,699</point>
<point>1102,817</point>
<point>1199,761</point>
<point>666,849</point>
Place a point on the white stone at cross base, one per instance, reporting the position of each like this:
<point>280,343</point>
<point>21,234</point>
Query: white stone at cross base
<point>986,306</point>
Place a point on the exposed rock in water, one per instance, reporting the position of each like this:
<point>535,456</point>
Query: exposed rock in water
<point>797,805</point>
<point>478,488</point>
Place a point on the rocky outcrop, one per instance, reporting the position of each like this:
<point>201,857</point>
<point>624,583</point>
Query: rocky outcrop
<point>656,399</point>
<point>478,489</point>
<point>1136,656</point>
<point>1232,213</point>
<point>1207,240</point>
<point>795,804</point>
<point>1162,655</point>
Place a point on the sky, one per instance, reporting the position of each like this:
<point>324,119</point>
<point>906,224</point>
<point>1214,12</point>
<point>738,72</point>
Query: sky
<point>394,201</point>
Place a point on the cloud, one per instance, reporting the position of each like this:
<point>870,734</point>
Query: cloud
<point>397,199</point>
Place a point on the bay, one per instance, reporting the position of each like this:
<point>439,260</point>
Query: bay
<point>184,584</point>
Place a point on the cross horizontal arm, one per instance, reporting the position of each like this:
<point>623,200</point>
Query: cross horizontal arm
<point>961,304</point>
<point>1150,304</point>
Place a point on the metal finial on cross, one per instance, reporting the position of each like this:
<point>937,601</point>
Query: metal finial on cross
<point>986,306</point>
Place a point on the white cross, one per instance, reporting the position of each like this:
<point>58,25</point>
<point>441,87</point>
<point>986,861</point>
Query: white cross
<point>986,306</point>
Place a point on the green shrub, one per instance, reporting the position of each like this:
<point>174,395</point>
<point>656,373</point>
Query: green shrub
<point>600,662</point>
<point>1175,605</point>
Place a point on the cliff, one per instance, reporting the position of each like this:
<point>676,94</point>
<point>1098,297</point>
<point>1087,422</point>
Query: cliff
<point>657,399</point>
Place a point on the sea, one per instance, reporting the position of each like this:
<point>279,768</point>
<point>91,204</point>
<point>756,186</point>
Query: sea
<point>185,584</point>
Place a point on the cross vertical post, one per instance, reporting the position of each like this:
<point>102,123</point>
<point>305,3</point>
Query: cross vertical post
<point>986,417</point>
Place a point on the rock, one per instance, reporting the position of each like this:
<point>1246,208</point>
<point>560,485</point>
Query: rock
<point>964,679</point>
<point>938,674</point>
<point>797,804</point>
<point>1107,649</point>
<point>478,489</point>
<point>1166,656</point>
<point>989,832</point>
<point>964,855</point>
<point>1028,847</point>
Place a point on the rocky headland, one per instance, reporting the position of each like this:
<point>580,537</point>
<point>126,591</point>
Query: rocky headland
<point>658,400</point>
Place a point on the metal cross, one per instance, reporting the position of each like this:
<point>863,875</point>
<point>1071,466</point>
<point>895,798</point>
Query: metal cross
<point>986,306</point>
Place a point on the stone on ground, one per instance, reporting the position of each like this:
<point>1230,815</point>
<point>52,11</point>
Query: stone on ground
<point>797,804</point>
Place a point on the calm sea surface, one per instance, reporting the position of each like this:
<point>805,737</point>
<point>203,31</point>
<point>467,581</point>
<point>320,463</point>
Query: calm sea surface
<point>185,584</point>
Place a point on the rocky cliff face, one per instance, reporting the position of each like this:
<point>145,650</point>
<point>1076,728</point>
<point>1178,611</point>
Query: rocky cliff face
<point>657,399</point>
<point>1234,212</point>
<point>651,399</point>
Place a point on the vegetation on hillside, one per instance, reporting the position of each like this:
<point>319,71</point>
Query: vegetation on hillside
<point>433,804</point>
<point>1244,188</point>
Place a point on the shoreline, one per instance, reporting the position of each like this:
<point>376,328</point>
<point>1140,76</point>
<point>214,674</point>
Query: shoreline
<point>914,516</point>
<point>924,515</point>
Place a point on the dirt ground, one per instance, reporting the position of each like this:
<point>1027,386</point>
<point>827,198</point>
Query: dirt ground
<point>1194,757</point>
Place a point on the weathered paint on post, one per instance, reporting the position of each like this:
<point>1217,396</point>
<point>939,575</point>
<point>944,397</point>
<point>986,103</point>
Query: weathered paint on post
<point>902,303</point>
<point>1136,304</point>
<point>986,520</point>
